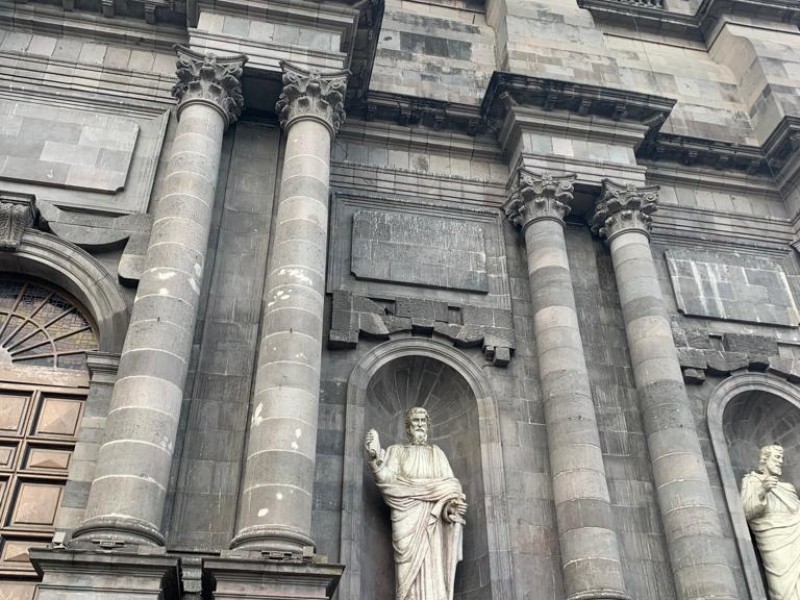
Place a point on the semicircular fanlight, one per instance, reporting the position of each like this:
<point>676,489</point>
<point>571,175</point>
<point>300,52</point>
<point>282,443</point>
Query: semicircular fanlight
<point>42,327</point>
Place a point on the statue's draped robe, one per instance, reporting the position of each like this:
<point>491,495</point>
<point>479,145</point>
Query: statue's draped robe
<point>417,483</point>
<point>775,523</point>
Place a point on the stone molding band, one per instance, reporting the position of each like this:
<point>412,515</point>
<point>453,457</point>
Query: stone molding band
<point>210,79</point>
<point>132,530</point>
<point>312,95</point>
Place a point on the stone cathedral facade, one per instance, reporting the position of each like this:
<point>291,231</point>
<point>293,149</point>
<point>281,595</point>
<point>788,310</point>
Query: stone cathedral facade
<point>237,234</point>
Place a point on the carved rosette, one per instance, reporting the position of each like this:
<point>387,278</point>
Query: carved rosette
<point>312,95</point>
<point>624,208</point>
<point>17,213</point>
<point>540,196</point>
<point>216,80</point>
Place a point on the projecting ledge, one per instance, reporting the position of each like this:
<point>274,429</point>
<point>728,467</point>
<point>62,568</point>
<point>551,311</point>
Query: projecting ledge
<point>237,578</point>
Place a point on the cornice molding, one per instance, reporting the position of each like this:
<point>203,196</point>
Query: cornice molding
<point>312,95</point>
<point>507,91</point>
<point>641,15</point>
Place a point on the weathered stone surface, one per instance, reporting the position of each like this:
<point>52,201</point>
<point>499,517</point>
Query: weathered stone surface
<point>734,287</point>
<point>692,358</point>
<point>750,344</point>
<point>694,376</point>
<point>723,363</point>
<point>434,252</point>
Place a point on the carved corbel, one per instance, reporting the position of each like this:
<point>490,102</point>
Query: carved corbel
<point>17,213</point>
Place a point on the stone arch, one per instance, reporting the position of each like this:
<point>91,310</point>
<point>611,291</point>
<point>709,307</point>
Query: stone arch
<point>64,265</point>
<point>745,412</point>
<point>437,360</point>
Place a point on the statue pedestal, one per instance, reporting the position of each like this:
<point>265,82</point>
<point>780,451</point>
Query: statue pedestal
<point>255,579</point>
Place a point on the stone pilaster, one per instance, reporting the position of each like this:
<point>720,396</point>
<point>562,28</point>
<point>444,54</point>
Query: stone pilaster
<point>589,553</point>
<point>690,518</point>
<point>275,510</point>
<point>126,502</point>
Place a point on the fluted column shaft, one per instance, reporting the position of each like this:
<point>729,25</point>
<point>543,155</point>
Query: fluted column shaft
<point>589,550</point>
<point>688,511</point>
<point>127,497</point>
<point>276,503</point>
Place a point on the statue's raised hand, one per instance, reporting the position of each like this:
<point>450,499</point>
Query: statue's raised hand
<point>375,453</point>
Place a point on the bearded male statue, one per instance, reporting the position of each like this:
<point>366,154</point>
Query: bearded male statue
<point>427,506</point>
<point>772,509</point>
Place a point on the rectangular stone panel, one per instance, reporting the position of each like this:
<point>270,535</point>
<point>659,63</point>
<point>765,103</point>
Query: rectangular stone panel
<point>731,287</point>
<point>419,250</point>
<point>67,147</point>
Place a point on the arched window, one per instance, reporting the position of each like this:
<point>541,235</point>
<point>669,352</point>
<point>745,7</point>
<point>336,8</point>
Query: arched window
<point>44,336</point>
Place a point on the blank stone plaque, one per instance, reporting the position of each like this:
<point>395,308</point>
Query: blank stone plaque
<point>419,250</point>
<point>732,287</point>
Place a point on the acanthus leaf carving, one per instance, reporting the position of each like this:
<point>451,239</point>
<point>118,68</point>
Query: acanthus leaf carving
<point>210,78</point>
<point>540,196</point>
<point>312,95</point>
<point>624,207</point>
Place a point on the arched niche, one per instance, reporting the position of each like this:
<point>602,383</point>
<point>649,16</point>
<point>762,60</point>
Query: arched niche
<point>393,377</point>
<point>64,265</point>
<point>745,412</point>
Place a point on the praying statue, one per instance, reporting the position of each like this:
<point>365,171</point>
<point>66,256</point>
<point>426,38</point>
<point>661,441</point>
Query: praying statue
<point>772,509</point>
<point>428,509</point>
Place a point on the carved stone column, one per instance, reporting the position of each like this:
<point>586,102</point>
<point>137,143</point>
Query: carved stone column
<point>690,518</point>
<point>126,501</point>
<point>275,510</point>
<point>589,553</point>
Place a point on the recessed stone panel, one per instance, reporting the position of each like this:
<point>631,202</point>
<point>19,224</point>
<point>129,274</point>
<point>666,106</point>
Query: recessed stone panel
<point>48,459</point>
<point>420,250</point>
<point>732,287</point>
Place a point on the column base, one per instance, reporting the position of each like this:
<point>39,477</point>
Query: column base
<point>88,575</point>
<point>237,578</point>
<point>115,529</point>
<point>272,538</point>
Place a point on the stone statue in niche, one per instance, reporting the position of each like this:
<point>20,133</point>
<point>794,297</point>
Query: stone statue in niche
<point>427,506</point>
<point>772,509</point>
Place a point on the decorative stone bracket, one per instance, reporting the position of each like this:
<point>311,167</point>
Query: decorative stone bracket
<point>700,357</point>
<point>17,213</point>
<point>355,317</point>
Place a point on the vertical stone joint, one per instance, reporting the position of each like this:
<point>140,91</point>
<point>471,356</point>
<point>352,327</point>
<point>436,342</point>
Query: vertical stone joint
<point>540,196</point>
<point>312,95</point>
<point>624,208</point>
<point>216,80</point>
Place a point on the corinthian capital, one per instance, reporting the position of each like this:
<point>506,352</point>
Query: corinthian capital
<point>624,208</point>
<point>215,80</point>
<point>312,95</point>
<point>539,196</point>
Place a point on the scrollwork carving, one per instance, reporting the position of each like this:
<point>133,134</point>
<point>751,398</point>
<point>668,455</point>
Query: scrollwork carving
<point>624,207</point>
<point>312,95</point>
<point>209,78</point>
